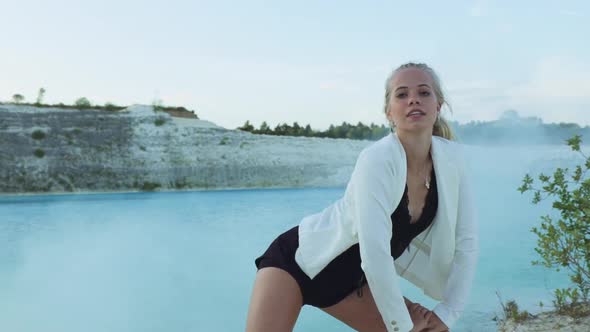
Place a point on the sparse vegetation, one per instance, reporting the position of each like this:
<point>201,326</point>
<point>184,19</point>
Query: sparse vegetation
<point>112,107</point>
<point>565,243</point>
<point>18,98</point>
<point>345,130</point>
<point>157,105</point>
<point>39,153</point>
<point>510,311</point>
<point>82,103</point>
<point>159,121</point>
<point>150,186</point>
<point>224,141</point>
<point>38,135</point>
<point>40,96</point>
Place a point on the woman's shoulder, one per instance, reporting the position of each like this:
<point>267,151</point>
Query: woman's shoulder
<point>451,147</point>
<point>454,152</point>
<point>382,148</point>
<point>380,155</point>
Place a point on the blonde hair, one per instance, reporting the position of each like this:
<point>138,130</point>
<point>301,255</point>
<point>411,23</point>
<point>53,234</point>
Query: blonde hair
<point>441,127</point>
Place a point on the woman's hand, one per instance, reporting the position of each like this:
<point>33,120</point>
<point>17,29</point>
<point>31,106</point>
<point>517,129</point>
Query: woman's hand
<point>420,316</point>
<point>435,324</point>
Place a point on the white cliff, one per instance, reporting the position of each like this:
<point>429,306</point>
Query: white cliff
<point>140,149</point>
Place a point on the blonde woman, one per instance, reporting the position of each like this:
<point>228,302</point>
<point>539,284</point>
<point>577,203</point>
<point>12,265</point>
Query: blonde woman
<point>407,211</point>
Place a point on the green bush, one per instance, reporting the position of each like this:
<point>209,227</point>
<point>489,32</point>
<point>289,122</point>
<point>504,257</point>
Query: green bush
<point>159,121</point>
<point>38,135</point>
<point>150,186</point>
<point>512,312</point>
<point>39,153</point>
<point>565,243</point>
<point>112,107</point>
<point>18,98</point>
<point>82,103</point>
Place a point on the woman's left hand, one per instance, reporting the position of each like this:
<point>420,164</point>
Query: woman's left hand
<point>435,324</point>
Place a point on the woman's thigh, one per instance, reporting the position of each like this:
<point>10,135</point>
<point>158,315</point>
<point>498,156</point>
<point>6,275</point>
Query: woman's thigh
<point>275,303</point>
<point>360,313</point>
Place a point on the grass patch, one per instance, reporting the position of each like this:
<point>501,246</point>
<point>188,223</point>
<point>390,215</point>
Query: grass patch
<point>150,186</point>
<point>39,153</point>
<point>38,135</point>
<point>159,121</point>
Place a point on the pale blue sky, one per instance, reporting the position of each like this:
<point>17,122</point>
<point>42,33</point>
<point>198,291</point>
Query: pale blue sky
<point>317,62</point>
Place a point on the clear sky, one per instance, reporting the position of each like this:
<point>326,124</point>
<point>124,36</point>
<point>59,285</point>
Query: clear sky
<point>317,62</point>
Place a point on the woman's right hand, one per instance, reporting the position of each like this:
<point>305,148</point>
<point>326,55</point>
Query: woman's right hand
<point>420,316</point>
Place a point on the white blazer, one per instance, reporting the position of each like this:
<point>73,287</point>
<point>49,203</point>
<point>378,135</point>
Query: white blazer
<point>441,260</point>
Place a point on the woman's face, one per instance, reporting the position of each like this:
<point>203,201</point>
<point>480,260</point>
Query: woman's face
<point>413,105</point>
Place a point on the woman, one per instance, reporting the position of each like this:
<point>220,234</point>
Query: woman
<point>407,210</point>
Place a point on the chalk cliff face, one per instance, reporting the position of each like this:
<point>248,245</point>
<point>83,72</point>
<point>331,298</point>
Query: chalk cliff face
<point>68,150</point>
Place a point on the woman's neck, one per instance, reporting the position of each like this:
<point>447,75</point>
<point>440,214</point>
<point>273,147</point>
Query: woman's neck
<point>417,148</point>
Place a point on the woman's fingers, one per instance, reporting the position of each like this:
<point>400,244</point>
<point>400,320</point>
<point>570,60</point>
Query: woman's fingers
<point>422,310</point>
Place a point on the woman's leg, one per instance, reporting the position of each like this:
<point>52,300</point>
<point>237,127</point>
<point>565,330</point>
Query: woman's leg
<point>275,303</point>
<point>360,313</point>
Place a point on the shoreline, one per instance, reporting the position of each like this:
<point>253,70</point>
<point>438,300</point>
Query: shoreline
<point>114,192</point>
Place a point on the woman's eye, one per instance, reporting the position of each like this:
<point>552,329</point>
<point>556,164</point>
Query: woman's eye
<point>401,95</point>
<point>425,93</point>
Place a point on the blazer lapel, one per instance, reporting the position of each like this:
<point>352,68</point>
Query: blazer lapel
<point>443,227</point>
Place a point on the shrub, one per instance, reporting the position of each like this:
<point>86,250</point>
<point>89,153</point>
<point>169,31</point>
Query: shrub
<point>18,98</point>
<point>565,243</point>
<point>39,153</point>
<point>150,186</point>
<point>157,105</point>
<point>112,107</point>
<point>159,121</point>
<point>82,103</point>
<point>40,96</point>
<point>38,135</point>
<point>511,311</point>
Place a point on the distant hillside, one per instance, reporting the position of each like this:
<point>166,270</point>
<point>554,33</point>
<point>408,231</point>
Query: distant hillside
<point>508,130</point>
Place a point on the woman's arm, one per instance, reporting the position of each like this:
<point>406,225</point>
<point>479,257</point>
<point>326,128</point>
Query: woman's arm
<point>370,193</point>
<point>465,260</point>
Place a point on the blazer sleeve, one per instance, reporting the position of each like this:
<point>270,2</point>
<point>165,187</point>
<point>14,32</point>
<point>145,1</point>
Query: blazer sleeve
<point>464,263</point>
<point>370,192</point>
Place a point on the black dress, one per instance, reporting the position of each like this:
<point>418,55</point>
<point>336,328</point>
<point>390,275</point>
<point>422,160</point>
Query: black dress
<point>343,275</point>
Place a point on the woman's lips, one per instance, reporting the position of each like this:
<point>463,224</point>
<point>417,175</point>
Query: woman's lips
<point>415,116</point>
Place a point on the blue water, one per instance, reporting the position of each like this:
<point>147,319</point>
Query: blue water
<point>184,261</point>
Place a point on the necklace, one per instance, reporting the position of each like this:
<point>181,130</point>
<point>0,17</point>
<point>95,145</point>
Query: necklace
<point>427,183</point>
<point>426,178</point>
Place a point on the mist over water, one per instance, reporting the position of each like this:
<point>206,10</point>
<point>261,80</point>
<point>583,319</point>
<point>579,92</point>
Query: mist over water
<point>184,261</point>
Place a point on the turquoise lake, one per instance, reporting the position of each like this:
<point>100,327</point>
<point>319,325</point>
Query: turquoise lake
<point>184,261</point>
